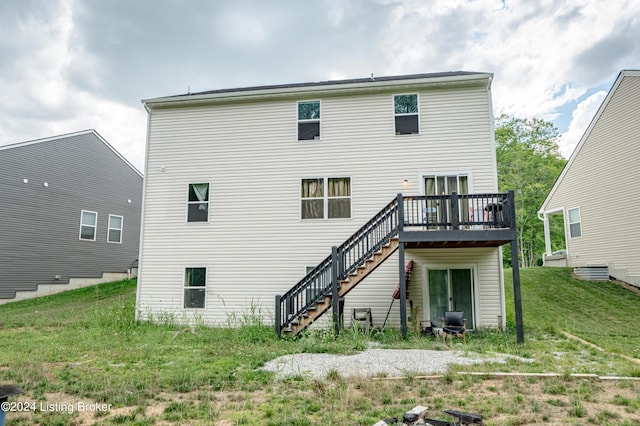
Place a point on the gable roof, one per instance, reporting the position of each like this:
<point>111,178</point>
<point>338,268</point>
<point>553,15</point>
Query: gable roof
<point>335,86</point>
<point>69,135</point>
<point>585,135</point>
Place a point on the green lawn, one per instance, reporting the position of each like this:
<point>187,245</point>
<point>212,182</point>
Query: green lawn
<point>602,313</point>
<point>84,345</point>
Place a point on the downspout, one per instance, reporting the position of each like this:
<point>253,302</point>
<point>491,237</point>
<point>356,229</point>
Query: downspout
<point>142,214</point>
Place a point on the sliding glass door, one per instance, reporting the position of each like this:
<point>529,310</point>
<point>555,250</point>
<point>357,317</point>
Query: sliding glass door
<point>450,290</point>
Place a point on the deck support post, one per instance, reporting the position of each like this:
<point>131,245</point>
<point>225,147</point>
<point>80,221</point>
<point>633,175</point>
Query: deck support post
<point>403,291</point>
<point>278,315</point>
<point>455,211</point>
<point>401,274</point>
<point>335,303</point>
<point>517,298</point>
<point>515,268</point>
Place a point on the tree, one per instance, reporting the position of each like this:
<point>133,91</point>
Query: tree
<point>529,162</point>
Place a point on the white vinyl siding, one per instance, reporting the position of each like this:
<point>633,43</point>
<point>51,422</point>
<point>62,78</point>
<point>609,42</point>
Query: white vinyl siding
<point>606,206</point>
<point>257,241</point>
<point>376,292</point>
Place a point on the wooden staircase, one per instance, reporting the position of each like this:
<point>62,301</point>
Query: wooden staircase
<point>322,305</point>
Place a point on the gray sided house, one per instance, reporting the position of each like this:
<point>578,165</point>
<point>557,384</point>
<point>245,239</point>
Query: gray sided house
<point>596,196</point>
<point>289,201</point>
<point>70,214</point>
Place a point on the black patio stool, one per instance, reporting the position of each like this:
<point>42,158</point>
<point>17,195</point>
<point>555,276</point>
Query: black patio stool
<point>5,392</point>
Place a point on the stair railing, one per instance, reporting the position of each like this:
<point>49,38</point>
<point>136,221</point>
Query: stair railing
<point>450,212</point>
<point>322,281</point>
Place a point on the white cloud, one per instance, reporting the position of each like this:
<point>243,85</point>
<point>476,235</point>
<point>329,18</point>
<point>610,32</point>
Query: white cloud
<point>69,65</point>
<point>532,47</point>
<point>582,117</point>
<point>41,101</point>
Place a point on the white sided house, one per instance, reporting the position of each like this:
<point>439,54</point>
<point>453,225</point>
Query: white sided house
<point>594,206</point>
<point>292,200</point>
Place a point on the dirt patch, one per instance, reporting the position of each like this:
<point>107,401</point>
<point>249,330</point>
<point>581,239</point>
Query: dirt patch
<point>502,401</point>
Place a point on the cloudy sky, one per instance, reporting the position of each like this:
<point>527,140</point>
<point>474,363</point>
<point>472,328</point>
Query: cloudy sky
<point>71,65</point>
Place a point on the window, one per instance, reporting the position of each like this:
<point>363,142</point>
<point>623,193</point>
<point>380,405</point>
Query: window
<point>308,120</point>
<point>114,233</point>
<point>326,198</point>
<point>198,205</point>
<point>575,225</point>
<point>405,109</point>
<point>195,284</point>
<point>88,225</point>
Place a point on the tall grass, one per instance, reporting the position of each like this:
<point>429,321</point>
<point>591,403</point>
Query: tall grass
<point>86,344</point>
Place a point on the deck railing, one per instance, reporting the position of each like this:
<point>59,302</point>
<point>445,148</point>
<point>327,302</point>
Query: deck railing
<point>458,211</point>
<point>427,212</point>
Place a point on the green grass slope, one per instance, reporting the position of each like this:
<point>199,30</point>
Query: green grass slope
<point>603,313</point>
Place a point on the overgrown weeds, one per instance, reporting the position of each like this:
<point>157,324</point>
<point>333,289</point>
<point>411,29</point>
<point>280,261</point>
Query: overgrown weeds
<point>85,345</point>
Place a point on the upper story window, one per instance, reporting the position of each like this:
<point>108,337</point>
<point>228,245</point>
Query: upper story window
<point>88,225</point>
<point>308,120</point>
<point>326,198</point>
<point>195,285</point>
<point>405,110</point>
<point>198,204</point>
<point>114,233</point>
<point>575,223</point>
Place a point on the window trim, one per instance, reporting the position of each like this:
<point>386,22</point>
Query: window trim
<point>569,223</point>
<point>417,114</point>
<point>314,120</point>
<point>446,174</point>
<point>95,226</point>
<point>208,202</point>
<point>326,198</point>
<point>185,287</point>
<point>110,228</point>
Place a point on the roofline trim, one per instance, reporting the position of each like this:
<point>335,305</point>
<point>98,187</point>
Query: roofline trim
<point>338,86</point>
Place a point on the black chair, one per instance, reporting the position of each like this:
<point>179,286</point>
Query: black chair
<point>454,324</point>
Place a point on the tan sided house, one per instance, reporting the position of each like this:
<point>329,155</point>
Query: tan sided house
<point>593,203</point>
<point>292,200</point>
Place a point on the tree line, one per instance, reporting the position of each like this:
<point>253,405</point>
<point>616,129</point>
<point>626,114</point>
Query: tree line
<point>529,162</point>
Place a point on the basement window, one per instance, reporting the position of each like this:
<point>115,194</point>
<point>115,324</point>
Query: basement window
<point>308,120</point>
<point>405,110</point>
<point>195,284</point>
<point>575,223</point>
<point>88,225</point>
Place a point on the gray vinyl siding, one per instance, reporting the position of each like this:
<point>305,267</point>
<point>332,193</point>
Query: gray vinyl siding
<point>40,224</point>
<point>601,181</point>
<point>255,244</point>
